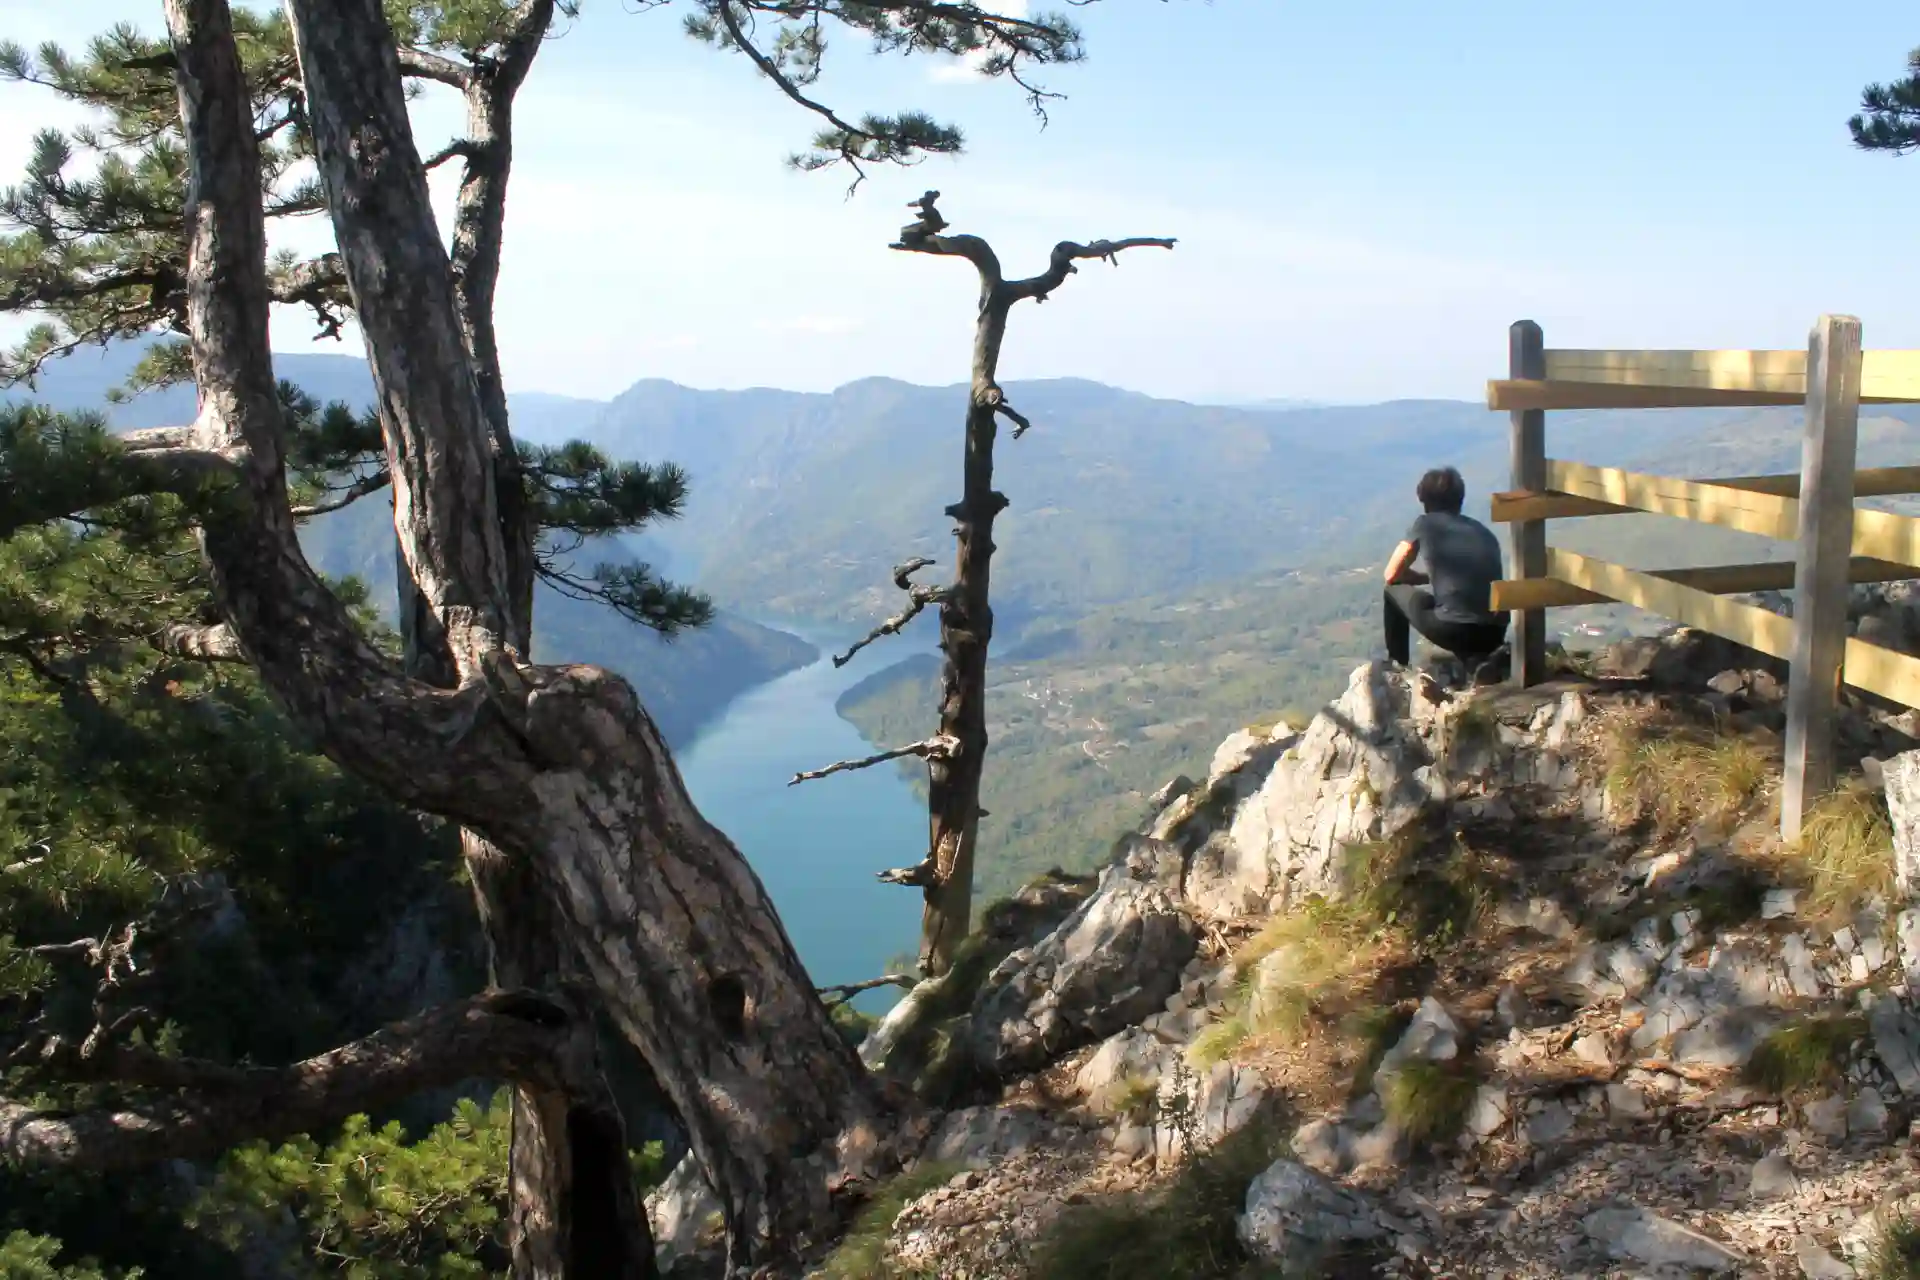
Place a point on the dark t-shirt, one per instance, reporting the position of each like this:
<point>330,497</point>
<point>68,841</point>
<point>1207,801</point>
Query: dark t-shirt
<point>1463,559</point>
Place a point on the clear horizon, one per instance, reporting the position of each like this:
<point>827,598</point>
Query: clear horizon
<point>1360,214</point>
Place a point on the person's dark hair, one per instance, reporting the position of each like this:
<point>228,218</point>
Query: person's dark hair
<point>1443,490</point>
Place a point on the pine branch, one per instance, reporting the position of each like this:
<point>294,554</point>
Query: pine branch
<point>422,64</point>
<point>510,1035</point>
<point>918,599</point>
<point>73,471</point>
<point>940,747</point>
<point>367,484</point>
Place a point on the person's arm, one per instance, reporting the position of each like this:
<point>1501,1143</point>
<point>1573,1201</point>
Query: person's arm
<point>1399,566</point>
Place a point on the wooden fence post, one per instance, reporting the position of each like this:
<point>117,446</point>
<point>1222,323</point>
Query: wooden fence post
<point>1527,358</point>
<point>1820,579</point>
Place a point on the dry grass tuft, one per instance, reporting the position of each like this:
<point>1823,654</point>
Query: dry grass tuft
<point>1846,848</point>
<point>1678,777</point>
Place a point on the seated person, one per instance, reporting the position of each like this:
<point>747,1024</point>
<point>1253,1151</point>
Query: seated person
<point>1448,604</point>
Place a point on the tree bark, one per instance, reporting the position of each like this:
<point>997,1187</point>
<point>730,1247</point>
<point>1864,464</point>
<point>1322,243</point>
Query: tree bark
<point>207,1108</point>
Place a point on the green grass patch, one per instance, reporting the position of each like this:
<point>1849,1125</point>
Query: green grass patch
<point>1217,1042</point>
<point>1184,1232</point>
<point>1428,1101</point>
<point>1804,1053</point>
<point>1894,1252</point>
<point>862,1252</point>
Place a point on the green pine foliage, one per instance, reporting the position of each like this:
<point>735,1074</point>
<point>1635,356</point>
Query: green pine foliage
<point>1889,118</point>
<point>30,1257</point>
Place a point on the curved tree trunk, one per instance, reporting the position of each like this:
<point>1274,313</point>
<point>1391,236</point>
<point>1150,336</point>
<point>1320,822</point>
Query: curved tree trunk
<point>560,769</point>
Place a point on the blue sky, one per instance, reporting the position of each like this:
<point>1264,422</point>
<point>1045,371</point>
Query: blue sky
<point>1366,194</point>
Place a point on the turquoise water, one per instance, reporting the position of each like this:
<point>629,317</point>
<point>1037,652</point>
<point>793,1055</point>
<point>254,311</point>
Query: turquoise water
<point>816,846</point>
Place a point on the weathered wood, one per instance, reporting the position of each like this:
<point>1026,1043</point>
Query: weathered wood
<point>1825,536</point>
<point>1765,514</point>
<point>1872,482</point>
<point>1719,580</point>
<point>1884,375</point>
<point>1574,379</point>
<point>1869,667</point>
<point>1746,624</point>
<point>1512,394</point>
<point>1526,358</point>
<point>1878,535</point>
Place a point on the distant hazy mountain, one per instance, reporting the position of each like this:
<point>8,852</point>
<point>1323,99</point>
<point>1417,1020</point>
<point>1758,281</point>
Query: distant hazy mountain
<point>802,502</point>
<point>683,682</point>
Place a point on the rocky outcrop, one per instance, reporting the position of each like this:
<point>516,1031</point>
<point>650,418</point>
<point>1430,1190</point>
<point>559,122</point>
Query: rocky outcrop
<point>1111,964</point>
<point>1272,828</point>
<point>1297,1216</point>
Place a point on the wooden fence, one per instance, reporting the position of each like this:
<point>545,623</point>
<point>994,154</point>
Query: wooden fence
<point>1837,544</point>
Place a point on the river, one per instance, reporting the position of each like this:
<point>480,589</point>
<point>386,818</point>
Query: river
<point>817,846</point>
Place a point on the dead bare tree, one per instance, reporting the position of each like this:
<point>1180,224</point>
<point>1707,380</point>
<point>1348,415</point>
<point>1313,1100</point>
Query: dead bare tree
<point>956,754</point>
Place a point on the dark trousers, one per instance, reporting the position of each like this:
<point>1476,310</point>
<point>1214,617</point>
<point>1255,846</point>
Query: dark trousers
<point>1410,608</point>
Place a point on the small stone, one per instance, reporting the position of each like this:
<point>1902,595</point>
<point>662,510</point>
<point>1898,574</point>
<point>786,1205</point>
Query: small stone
<point>1857,967</point>
<point>1801,974</point>
<point>1843,941</point>
<point>1490,1111</point>
<point>1827,1117</point>
<point>1624,1100</point>
<point>1778,903</point>
<point>1873,949</point>
<point>1593,1048</point>
<point>1511,1009</point>
<point>1772,1176</point>
<point>1816,1263</point>
<point>1645,1236</point>
<point>1896,1042</point>
<point>1550,1124</point>
<point>1867,1113</point>
<point>1321,1146</point>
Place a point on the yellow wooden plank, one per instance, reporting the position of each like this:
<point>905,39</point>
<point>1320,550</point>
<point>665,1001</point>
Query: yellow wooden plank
<point>1885,376</point>
<point>1719,580</point>
<point>1742,623</point>
<point>1514,393</point>
<point>1886,536</point>
<point>1519,504</point>
<point>1780,371</point>
<point>1882,671</point>
<point>1768,515</point>
<point>1892,675</point>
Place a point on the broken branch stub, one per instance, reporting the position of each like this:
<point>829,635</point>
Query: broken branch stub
<point>918,598</point>
<point>938,747</point>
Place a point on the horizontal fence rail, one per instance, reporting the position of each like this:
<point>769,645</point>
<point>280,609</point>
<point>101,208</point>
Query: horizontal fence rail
<point>1836,543</point>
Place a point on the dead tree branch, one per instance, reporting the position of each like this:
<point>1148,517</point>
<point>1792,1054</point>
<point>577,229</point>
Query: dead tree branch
<point>840,994</point>
<point>918,598</point>
<point>919,876</point>
<point>939,747</point>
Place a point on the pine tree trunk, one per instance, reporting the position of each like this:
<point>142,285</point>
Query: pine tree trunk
<point>559,769</point>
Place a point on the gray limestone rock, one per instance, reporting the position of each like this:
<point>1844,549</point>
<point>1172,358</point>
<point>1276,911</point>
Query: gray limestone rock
<point>1772,1176</point>
<point>1901,777</point>
<point>1295,1215</point>
<point>1896,1042</point>
<point>1641,1235</point>
<point>1110,965</point>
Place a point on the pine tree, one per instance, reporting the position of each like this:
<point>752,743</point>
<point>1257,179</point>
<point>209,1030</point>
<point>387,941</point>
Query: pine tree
<point>1889,118</point>
<point>593,872</point>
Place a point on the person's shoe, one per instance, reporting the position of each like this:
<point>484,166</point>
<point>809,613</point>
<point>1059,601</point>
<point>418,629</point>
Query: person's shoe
<point>1494,669</point>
